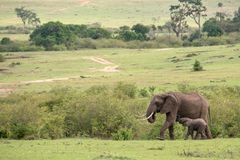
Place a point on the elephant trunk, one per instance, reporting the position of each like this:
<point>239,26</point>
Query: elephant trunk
<point>150,114</point>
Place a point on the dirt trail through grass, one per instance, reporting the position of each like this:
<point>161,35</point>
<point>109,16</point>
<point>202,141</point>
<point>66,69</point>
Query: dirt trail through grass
<point>114,68</point>
<point>108,69</point>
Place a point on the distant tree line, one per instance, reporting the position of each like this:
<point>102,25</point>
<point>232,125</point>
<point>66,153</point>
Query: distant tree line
<point>174,33</point>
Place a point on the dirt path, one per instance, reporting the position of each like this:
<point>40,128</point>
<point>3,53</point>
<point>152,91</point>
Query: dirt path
<point>98,60</point>
<point>108,69</point>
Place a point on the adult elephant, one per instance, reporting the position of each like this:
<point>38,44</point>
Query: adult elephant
<point>175,104</point>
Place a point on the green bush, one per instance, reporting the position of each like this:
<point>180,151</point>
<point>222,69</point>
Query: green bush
<point>106,112</point>
<point>143,92</point>
<point>212,27</point>
<point>197,66</point>
<point>123,134</point>
<point>5,41</point>
<point>125,90</point>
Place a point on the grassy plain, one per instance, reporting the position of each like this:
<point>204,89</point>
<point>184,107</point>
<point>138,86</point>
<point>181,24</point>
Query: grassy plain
<point>92,149</point>
<point>18,37</point>
<point>109,13</point>
<point>151,67</point>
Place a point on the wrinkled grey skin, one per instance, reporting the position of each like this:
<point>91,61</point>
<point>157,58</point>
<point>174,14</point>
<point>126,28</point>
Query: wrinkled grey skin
<point>198,125</point>
<point>172,104</point>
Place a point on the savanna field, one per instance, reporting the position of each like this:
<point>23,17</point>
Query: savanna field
<point>63,103</point>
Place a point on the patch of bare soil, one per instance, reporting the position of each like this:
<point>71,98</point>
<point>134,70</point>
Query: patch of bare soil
<point>110,69</point>
<point>98,60</point>
<point>6,90</point>
<point>105,62</point>
<point>48,80</point>
<point>84,2</point>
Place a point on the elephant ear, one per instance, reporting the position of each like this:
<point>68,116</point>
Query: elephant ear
<point>170,103</point>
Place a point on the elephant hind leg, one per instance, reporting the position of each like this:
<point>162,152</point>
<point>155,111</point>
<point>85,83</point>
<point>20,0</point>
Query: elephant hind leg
<point>208,132</point>
<point>171,132</point>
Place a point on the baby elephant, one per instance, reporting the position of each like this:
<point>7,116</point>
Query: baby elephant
<point>198,125</point>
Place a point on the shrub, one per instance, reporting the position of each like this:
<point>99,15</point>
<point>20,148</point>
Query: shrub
<point>143,92</point>
<point>123,90</point>
<point>197,66</point>
<point>5,41</point>
<point>195,35</point>
<point>212,27</point>
<point>123,134</point>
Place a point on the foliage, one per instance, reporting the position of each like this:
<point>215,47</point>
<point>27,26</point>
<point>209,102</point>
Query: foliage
<point>141,29</point>
<point>27,16</point>
<point>178,19</point>
<point>125,90</point>
<point>100,112</point>
<point>5,41</point>
<point>128,35</point>
<point>123,134</point>
<point>212,28</point>
<point>197,66</point>
<point>195,35</point>
<point>195,10</point>
<point>52,33</point>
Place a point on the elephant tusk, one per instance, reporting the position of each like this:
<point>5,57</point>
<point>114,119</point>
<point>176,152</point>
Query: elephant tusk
<point>140,116</point>
<point>148,116</point>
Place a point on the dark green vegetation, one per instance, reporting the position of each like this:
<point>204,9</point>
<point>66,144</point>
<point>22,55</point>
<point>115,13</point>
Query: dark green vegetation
<point>106,112</point>
<point>90,149</point>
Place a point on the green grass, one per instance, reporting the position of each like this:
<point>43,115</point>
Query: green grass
<point>91,149</point>
<point>151,67</point>
<point>18,37</point>
<point>110,13</point>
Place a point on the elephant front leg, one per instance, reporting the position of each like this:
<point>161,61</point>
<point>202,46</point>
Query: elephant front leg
<point>162,130</point>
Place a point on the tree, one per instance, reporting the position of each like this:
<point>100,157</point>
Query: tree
<point>141,29</point>
<point>236,17</point>
<point>213,28</point>
<point>27,16</point>
<point>195,10</point>
<point>178,19</point>
<point>52,33</point>
<point>220,15</point>
<point>128,35</point>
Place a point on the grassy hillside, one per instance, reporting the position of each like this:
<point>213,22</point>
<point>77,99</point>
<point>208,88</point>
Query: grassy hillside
<point>84,68</point>
<point>83,149</point>
<point>109,13</point>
